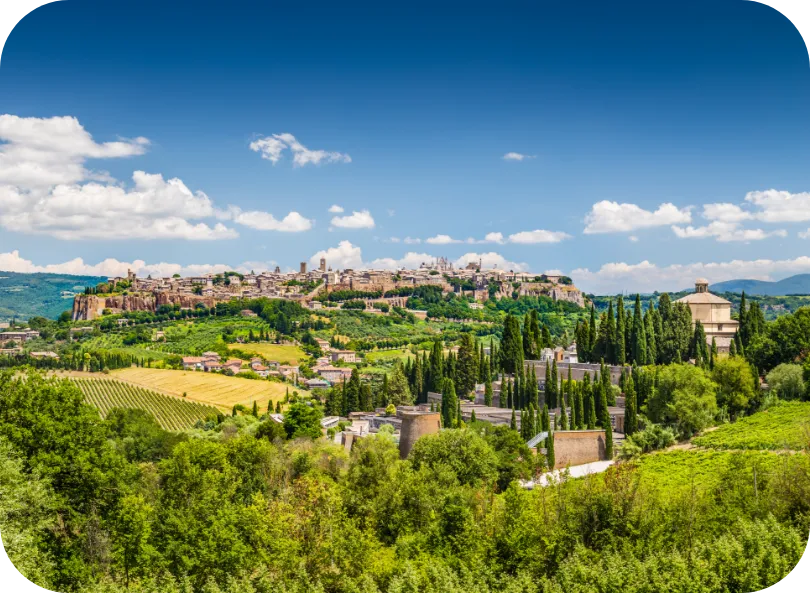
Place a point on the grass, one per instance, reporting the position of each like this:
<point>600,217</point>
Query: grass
<point>283,353</point>
<point>209,388</point>
<point>675,470</point>
<point>388,355</point>
<point>171,413</point>
<point>783,426</point>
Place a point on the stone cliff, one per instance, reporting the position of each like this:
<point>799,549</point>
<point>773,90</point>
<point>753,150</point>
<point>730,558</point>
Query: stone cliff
<point>87,307</point>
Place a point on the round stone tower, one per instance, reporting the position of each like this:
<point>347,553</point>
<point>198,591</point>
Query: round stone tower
<point>416,424</point>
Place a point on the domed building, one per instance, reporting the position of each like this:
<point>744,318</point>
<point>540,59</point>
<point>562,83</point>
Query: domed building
<point>714,313</point>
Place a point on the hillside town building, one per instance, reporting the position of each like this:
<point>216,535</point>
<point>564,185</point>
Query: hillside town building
<point>714,313</point>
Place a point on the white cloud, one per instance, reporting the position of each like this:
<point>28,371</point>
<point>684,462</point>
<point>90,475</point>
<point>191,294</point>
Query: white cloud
<point>538,236</point>
<point>725,232</point>
<point>633,238</point>
<point>393,239</point>
<point>725,212</point>
<point>264,221</point>
<point>647,277</point>
<point>490,260</point>
<point>355,220</point>
<point>494,238</point>
<point>612,217</point>
<point>272,147</point>
<point>13,262</point>
<point>780,206</point>
<point>345,255</point>
<point>516,156</point>
<point>442,240</point>
<point>37,153</point>
<point>335,209</point>
<point>46,189</point>
<point>805,234</point>
<point>411,240</point>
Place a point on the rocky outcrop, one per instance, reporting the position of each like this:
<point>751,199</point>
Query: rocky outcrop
<point>87,307</point>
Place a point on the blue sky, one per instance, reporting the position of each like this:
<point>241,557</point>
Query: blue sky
<point>651,137</point>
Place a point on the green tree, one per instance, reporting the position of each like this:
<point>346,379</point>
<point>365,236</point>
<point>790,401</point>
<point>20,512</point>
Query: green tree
<point>488,391</point>
<point>463,451</point>
<point>511,345</point>
<point>735,384</point>
<point>399,393</point>
<point>630,406</point>
<point>639,338</point>
<point>467,365</point>
<point>619,346</point>
<point>449,404</point>
<point>302,421</point>
<point>787,381</point>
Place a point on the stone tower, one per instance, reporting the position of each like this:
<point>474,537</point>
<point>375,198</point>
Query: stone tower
<point>416,424</point>
<point>303,267</point>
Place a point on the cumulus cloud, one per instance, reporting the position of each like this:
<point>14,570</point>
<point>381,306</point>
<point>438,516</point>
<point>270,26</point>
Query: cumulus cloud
<point>612,278</point>
<point>780,206</point>
<point>725,232</point>
<point>411,240</point>
<point>347,255</point>
<point>355,220</point>
<point>442,240</point>
<point>516,156</point>
<point>46,189</point>
<point>272,148</point>
<point>494,238</point>
<point>538,236</point>
<point>264,221</point>
<point>725,212</point>
<point>13,262</point>
<point>612,217</point>
<point>335,209</point>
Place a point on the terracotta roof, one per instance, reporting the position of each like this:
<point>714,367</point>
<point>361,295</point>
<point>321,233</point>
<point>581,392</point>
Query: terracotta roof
<point>703,298</point>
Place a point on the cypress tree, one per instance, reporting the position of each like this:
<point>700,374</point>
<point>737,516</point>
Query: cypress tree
<point>649,329</point>
<point>545,423</point>
<point>534,395</point>
<point>436,369</point>
<point>732,348</point>
<point>513,421</point>
<point>278,407</point>
<point>472,417</point>
<point>603,404</point>
<point>488,390</point>
<point>713,354</point>
<point>458,413</point>
<point>563,417</point>
<point>742,317</point>
<point>581,418</point>
<point>255,410</point>
<point>608,441</point>
<point>591,410</point>
<point>591,332</point>
<point>630,406</point>
<point>511,345</point>
<point>639,335</point>
<point>351,395</point>
<point>572,397</point>
<point>450,404</point>
<point>550,461</point>
<point>620,339</point>
<point>546,393</point>
<point>610,336</point>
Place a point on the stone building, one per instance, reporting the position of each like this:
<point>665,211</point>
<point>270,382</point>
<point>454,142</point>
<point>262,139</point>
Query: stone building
<point>416,424</point>
<point>714,313</point>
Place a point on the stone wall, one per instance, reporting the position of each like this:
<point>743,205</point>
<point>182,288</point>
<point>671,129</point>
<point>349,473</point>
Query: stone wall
<point>87,307</point>
<point>575,447</point>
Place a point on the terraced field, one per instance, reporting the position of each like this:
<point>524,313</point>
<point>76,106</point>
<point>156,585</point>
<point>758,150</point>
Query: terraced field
<point>209,388</point>
<point>171,413</point>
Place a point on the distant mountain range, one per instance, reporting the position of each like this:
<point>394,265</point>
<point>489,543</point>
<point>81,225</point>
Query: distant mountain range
<point>798,284</point>
<point>27,295</point>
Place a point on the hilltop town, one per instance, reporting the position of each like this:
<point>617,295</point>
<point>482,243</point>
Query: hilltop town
<point>312,287</point>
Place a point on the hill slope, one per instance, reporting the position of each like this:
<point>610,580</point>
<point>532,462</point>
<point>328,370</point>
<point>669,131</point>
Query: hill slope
<point>28,295</point>
<point>798,284</point>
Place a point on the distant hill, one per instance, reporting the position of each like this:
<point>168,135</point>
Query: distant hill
<point>28,295</point>
<point>798,284</point>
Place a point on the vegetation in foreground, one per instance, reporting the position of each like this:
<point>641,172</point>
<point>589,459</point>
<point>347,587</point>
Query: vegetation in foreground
<point>249,505</point>
<point>785,425</point>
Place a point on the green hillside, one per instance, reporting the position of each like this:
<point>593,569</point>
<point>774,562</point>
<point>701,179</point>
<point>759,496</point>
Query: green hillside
<point>27,295</point>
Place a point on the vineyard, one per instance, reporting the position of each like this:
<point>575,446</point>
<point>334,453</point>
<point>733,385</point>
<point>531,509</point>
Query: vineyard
<point>171,413</point>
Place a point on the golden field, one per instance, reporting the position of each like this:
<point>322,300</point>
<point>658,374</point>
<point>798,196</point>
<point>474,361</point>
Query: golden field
<point>283,353</point>
<point>210,388</point>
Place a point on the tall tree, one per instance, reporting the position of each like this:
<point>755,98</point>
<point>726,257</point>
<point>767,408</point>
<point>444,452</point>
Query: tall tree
<point>399,393</point>
<point>511,345</point>
<point>488,390</point>
<point>591,332</point>
<point>618,346</point>
<point>639,338</point>
<point>630,406</point>
<point>550,460</point>
<point>351,396</point>
<point>467,365</point>
<point>649,329</point>
<point>449,404</point>
<point>610,336</point>
<point>436,372</point>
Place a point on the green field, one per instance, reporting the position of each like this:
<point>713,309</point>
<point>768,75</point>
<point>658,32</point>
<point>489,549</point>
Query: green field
<point>283,353</point>
<point>388,356</point>
<point>786,425</point>
<point>171,413</point>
